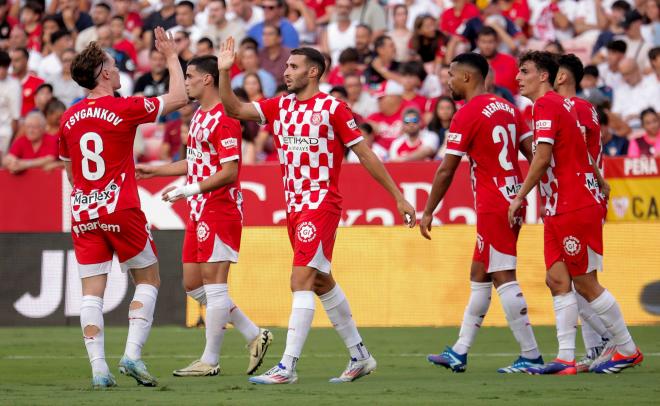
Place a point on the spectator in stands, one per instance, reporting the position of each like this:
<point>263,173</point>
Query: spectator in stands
<point>387,121</point>
<point>182,40</point>
<point>28,81</point>
<point>219,27</point>
<point>204,47</point>
<point>132,20</point>
<point>432,86</point>
<point>648,144</point>
<point>42,96</point>
<point>185,21</point>
<point>452,18</point>
<point>590,19</point>
<point>638,49</point>
<point>654,60</point>
<point>413,75</point>
<point>18,39</point>
<point>415,143</point>
<point>349,64</point>
<point>49,26</point>
<point>303,20</point>
<point>273,55</point>
<point>123,62</point>
<point>155,82</point>
<point>359,100</point>
<point>369,137</point>
<point>53,113</point>
<point>444,111</point>
<point>65,88</point>
<point>250,63</point>
<point>119,40</point>
<point>51,66</point>
<point>555,47</point>
<point>7,22</point>
<point>613,145</point>
<point>75,20</point>
<point>428,44</point>
<point>651,28</point>
<point>30,17</point>
<point>590,90</point>
<point>100,17</point>
<point>10,103</point>
<point>322,9</point>
<point>500,91</point>
<point>400,33</point>
<point>370,13</point>
<point>165,17</point>
<point>35,150</point>
<point>609,70</point>
<point>516,11</point>
<point>340,33</point>
<point>508,33</point>
<point>505,66</point>
<point>383,67</point>
<point>634,95</point>
<point>363,45</point>
<point>246,13</point>
<point>273,16</point>
<point>252,87</point>
<point>616,15</point>
<point>552,20</point>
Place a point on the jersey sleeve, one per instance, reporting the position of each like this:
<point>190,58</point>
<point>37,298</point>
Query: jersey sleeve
<point>344,125</point>
<point>459,135</point>
<point>141,110</point>
<point>522,129</point>
<point>546,125</point>
<point>226,140</point>
<point>62,147</point>
<point>267,109</point>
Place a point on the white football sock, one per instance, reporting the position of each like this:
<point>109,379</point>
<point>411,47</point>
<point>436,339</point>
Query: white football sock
<point>475,311</point>
<point>593,329</point>
<point>198,294</point>
<point>609,313</point>
<point>566,315</point>
<point>300,322</point>
<point>91,314</point>
<point>217,316</point>
<point>339,312</point>
<point>247,328</point>
<point>515,309</point>
<point>140,319</point>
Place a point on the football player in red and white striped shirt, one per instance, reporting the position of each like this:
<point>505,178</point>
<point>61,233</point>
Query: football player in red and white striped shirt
<point>311,132</point>
<point>96,143</point>
<point>213,232</point>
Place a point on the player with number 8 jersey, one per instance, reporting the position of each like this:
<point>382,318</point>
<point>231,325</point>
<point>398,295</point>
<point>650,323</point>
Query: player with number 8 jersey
<point>96,143</point>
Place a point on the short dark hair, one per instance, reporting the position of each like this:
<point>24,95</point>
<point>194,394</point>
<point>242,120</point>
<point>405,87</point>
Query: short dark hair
<point>224,3</point>
<point>186,3</point>
<point>349,55</point>
<point>486,31</point>
<point>475,61</point>
<point>54,105</point>
<point>646,112</point>
<point>380,41</point>
<point>544,61</point>
<point>622,5</point>
<point>35,7</point>
<point>414,68</point>
<point>591,70</point>
<point>84,65</point>
<point>59,34</point>
<point>104,5</point>
<point>5,60</point>
<point>44,86</point>
<point>118,17</point>
<point>251,41</point>
<point>339,89</point>
<point>205,40</point>
<point>207,64</point>
<point>366,27</point>
<point>654,53</point>
<point>617,46</point>
<point>313,56</point>
<point>277,29</point>
<point>574,65</point>
<point>24,51</point>
<point>603,120</point>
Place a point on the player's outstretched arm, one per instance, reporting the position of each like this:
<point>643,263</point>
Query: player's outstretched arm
<point>537,168</point>
<point>441,182</point>
<point>226,176</point>
<point>176,97</point>
<point>233,106</point>
<point>178,168</point>
<point>372,164</point>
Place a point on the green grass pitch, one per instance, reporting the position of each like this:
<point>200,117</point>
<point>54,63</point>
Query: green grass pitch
<point>49,366</point>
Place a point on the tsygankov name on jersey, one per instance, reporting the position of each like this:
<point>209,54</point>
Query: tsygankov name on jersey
<point>93,112</point>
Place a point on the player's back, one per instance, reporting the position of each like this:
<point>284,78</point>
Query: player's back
<point>97,136</point>
<point>569,183</point>
<point>588,119</point>
<point>489,130</point>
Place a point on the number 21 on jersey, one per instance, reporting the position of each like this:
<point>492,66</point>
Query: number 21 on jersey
<point>500,136</point>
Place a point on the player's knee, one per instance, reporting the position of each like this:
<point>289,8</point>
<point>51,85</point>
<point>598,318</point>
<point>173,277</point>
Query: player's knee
<point>589,291</point>
<point>556,285</point>
<point>91,330</point>
<point>478,273</point>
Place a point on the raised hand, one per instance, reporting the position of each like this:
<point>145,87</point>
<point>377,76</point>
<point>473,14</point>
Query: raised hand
<point>227,54</point>
<point>165,42</point>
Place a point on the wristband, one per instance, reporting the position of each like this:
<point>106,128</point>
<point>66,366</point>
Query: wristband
<point>186,191</point>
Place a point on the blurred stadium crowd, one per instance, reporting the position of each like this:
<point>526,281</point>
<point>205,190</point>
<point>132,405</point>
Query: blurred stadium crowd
<point>388,59</point>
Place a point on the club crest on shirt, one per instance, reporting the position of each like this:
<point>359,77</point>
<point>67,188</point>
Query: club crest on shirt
<point>202,231</point>
<point>149,106</point>
<point>572,245</point>
<point>306,231</point>
<point>316,118</point>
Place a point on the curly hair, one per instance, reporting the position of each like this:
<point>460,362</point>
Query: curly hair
<point>85,64</point>
<point>544,62</point>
